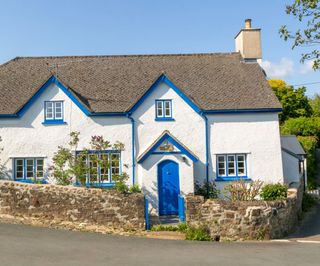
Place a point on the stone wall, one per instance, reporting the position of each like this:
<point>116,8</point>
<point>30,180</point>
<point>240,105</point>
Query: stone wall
<point>245,220</point>
<point>75,204</point>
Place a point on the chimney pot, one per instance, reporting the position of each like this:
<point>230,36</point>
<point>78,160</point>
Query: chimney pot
<point>248,23</point>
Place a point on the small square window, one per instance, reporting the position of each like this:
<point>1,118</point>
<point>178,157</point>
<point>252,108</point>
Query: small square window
<point>28,168</point>
<point>164,110</point>
<point>53,111</point>
<point>231,166</point>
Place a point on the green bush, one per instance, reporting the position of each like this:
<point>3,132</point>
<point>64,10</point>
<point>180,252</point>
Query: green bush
<point>192,233</point>
<point>207,189</point>
<point>302,126</point>
<point>135,189</point>
<point>197,234</point>
<point>308,202</point>
<point>274,192</point>
<point>309,145</point>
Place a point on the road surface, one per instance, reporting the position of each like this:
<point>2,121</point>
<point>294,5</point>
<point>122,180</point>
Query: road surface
<point>28,246</point>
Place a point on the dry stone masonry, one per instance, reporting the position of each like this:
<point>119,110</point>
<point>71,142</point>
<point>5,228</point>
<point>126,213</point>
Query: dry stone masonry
<point>245,220</point>
<point>74,204</point>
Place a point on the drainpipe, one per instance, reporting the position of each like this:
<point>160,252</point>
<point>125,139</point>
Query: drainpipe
<point>133,150</point>
<point>207,146</point>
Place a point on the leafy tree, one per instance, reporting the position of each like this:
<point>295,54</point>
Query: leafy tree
<point>294,101</point>
<point>308,13</point>
<point>302,126</point>
<point>315,104</point>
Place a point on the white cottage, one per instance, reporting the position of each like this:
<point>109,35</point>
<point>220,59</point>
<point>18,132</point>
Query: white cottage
<point>183,118</point>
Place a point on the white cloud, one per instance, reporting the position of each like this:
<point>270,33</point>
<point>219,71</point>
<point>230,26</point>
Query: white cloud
<point>279,70</point>
<point>306,67</point>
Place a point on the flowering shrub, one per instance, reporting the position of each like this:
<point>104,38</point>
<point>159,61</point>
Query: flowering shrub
<point>241,190</point>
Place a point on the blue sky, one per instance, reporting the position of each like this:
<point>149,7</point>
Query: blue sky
<point>79,27</point>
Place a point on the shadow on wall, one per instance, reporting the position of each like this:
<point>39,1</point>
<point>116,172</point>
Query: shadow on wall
<point>152,195</point>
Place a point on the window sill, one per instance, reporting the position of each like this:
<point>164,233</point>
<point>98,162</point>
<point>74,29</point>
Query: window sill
<point>30,181</point>
<point>54,122</point>
<point>96,184</point>
<point>164,119</point>
<point>232,178</point>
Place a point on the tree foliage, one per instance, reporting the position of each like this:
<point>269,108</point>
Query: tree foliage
<point>294,101</point>
<point>309,144</point>
<point>308,13</point>
<point>302,126</point>
<point>315,105</point>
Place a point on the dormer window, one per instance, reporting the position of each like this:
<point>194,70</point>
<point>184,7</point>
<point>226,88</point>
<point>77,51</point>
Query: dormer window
<point>163,110</point>
<point>53,112</point>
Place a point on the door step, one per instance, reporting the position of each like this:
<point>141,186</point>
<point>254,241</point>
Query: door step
<point>165,220</point>
<point>166,235</point>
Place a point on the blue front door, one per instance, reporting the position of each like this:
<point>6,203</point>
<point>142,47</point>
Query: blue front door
<point>168,187</point>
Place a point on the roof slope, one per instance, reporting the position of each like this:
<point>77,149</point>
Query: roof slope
<point>291,144</point>
<point>115,83</point>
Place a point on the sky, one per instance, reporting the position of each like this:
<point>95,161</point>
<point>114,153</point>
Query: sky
<point>112,27</point>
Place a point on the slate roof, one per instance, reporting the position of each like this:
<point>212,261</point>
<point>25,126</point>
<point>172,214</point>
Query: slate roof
<point>290,143</point>
<point>212,81</point>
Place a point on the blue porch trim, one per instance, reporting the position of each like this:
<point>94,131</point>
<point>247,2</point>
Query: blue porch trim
<point>166,136</point>
<point>167,152</point>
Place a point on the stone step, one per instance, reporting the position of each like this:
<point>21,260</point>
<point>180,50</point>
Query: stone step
<point>166,235</point>
<point>165,220</point>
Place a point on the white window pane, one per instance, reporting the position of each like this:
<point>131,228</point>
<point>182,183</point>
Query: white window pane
<point>104,167</point>
<point>159,109</point>
<point>167,105</point>
<point>231,165</point>
<point>241,165</point>
<point>93,168</point>
<point>58,110</point>
<point>115,164</point>
<point>39,169</point>
<point>49,110</point>
<point>29,168</point>
<point>19,168</point>
<point>221,166</point>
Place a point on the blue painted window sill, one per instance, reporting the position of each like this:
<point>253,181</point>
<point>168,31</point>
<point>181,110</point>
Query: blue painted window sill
<point>232,178</point>
<point>31,181</point>
<point>54,122</point>
<point>164,119</point>
<point>96,185</point>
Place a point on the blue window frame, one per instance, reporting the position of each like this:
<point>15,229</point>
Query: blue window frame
<point>102,166</point>
<point>28,169</point>
<point>231,166</point>
<point>163,109</point>
<point>53,112</point>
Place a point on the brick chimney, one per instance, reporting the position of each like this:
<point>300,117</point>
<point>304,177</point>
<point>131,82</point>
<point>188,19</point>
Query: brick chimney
<point>248,43</point>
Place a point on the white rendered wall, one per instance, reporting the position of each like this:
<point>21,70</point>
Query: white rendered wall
<point>188,127</point>
<point>257,135</point>
<point>28,137</point>
<point>290,168</point>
